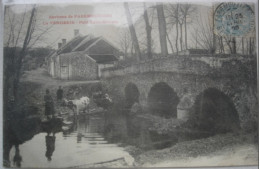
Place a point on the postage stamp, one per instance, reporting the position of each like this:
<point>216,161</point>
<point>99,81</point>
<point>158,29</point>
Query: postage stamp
<point>234,19</point>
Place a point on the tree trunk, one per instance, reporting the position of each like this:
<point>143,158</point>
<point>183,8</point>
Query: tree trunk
<point>177,36</point>
<point>132,31</point>
<point>214,36</point>
<point>148,33</point>
<point>247,47</point>
<point>132,49</point>
<point>253,46</point>
<point>222,45</point>
<point>170,42</point>
<point>196,41</point>
<point>214,44</point>
<point>22,54</point>
<point>185,27</point>
<point>250,46</point>
<point>181,36</point>
<point>177,30</point>
<point>162,29</point>
<point>243,49</point>
<point>234,47</point>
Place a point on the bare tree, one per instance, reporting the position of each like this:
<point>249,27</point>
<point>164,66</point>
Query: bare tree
<point>243,46</point>
<point>187,10</point>
<point>181,37</point>
<point>162,29</point>
<point>15,37</point>
<point>170,42</point>
<point>148,29</point>
<point>231,43</point>
<point>125,41</point>
<point>221,44</point>
<point>173,16</point>
<point>234,45</point>
<point>22,33</point>
<point>194,37</point>
<point>132,31</point>
<point>204,33</point>
<point>251,45</point>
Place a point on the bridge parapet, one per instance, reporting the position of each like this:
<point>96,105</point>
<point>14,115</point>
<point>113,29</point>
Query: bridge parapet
<point>197,65</point>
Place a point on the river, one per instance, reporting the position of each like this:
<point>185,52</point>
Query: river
<point>84,145</point>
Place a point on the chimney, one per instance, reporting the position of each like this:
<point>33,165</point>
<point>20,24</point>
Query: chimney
<point>76,32</point>
<point>59,45</point>
<point>63,42</point>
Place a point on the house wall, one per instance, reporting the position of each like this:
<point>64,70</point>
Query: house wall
<point>57,67</point>
<point>64,72</point>
<point>48,62</point>
<point>102,66</point>
<point>51,71</point>
<point>83,68</point>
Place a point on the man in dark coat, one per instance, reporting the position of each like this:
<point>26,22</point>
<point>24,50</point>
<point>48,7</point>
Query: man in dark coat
<point>59,94</point>
<point>49,106</point>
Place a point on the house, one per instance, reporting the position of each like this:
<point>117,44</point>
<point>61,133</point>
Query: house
<point>82,58</point>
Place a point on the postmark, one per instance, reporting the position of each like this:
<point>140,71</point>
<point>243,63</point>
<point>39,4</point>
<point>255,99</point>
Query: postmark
<point>234,19</point>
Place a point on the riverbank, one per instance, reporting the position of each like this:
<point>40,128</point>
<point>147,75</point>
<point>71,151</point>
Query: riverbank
<point>221,150</point>
<point>35,82</point>
<point>41,76</point>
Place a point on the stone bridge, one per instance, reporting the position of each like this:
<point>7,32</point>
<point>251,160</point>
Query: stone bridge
<point>178,81</point>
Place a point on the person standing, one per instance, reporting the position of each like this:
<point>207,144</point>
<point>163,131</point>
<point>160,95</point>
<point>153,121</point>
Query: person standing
<point>59,94</point>
<point>49,106</point>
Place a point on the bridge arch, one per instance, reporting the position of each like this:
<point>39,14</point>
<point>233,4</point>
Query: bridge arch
<point>163,100</point>
<point>131,94</point>
<point>214,111</point>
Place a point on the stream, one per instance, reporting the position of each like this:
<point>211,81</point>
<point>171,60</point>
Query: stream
<point>83,145</point>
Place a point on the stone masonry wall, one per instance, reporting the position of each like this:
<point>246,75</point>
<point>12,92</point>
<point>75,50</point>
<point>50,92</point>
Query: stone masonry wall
<point>237,79</point>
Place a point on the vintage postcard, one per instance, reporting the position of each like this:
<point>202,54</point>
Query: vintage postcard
<point>130,84</point>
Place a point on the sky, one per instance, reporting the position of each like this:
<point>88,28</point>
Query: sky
<point>92,22</point>
<point>109,12</point>
<point>100,12</point>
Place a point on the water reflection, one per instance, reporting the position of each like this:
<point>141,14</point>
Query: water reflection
<point>18,130</point>
<point>81,142</point>
<point>17,157</point>
<point>50,145</point>
<point>86,140</point>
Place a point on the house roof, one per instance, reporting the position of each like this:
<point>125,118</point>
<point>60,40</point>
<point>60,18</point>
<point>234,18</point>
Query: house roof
<point>85,45</point>
<point>103,58</point>
<point>69,46</point>
<point>66,58</point>
<point>81,44</point>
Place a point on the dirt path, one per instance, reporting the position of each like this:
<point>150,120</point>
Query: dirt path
<point>42,77</point>
<point>220,150</point>
<point>236,155</point>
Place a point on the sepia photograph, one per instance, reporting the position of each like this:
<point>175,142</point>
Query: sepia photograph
<point>130,84</point>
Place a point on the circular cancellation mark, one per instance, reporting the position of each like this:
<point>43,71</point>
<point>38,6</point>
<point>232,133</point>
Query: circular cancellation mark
<point>234,19</point>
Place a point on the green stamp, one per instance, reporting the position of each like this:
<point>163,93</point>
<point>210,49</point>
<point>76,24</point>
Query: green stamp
<point>234,19</point>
